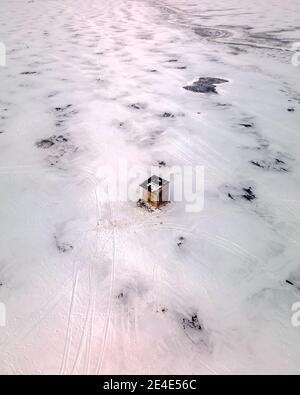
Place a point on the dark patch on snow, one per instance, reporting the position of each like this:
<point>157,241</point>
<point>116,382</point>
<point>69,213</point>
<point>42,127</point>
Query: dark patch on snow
<point>59,146</point>
<point>167,115</point>
<point>137,106</point>
<point>45,143</point>
<point>59,109</point>
<point>291,110</point>
<point>61,139</point>
<point>274,164</point>
<point>192,323</point>
<point>289,282</point>
<point>63,247</point>
<point>163,310</point>
<point>245,193</point>
<point>294,284</point>
<point>248,194</point>
<point>205,85</point>
<point>255,163</point>
<point>247,125</point>
<point>29,73</point>
<point>224,105</point>
<point>180,241</point>
<point>52,94</point>
<point>162,163</point>
<point>121,295</point>
<point>63,113</point>
<point>51,141</point>
<point>142,204</point>
<point>128,292</point>
<point>279,161</point>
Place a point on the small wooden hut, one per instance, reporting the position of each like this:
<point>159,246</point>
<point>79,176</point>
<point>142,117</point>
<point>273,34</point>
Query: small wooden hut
<point>156,191</point>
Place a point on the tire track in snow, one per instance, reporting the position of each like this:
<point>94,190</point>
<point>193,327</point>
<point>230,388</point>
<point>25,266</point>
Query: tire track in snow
<point>108,320</point>
<point>68,338</point>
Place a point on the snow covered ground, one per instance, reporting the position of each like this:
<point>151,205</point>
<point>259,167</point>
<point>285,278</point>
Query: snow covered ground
<point>94,286</point>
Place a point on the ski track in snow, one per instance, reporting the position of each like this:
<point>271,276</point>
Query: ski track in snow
<point>95,286</point>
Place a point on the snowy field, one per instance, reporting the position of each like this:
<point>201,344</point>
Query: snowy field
<point>96,286</point>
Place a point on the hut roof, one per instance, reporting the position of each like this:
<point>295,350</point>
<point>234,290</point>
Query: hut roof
<point>154,183</point>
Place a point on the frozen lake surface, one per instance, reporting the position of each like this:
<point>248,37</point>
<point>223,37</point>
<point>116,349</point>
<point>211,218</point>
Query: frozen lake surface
<point>95,286</point>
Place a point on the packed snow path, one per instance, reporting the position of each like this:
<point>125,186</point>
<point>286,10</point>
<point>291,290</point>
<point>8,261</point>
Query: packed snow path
<point>97,286</point>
